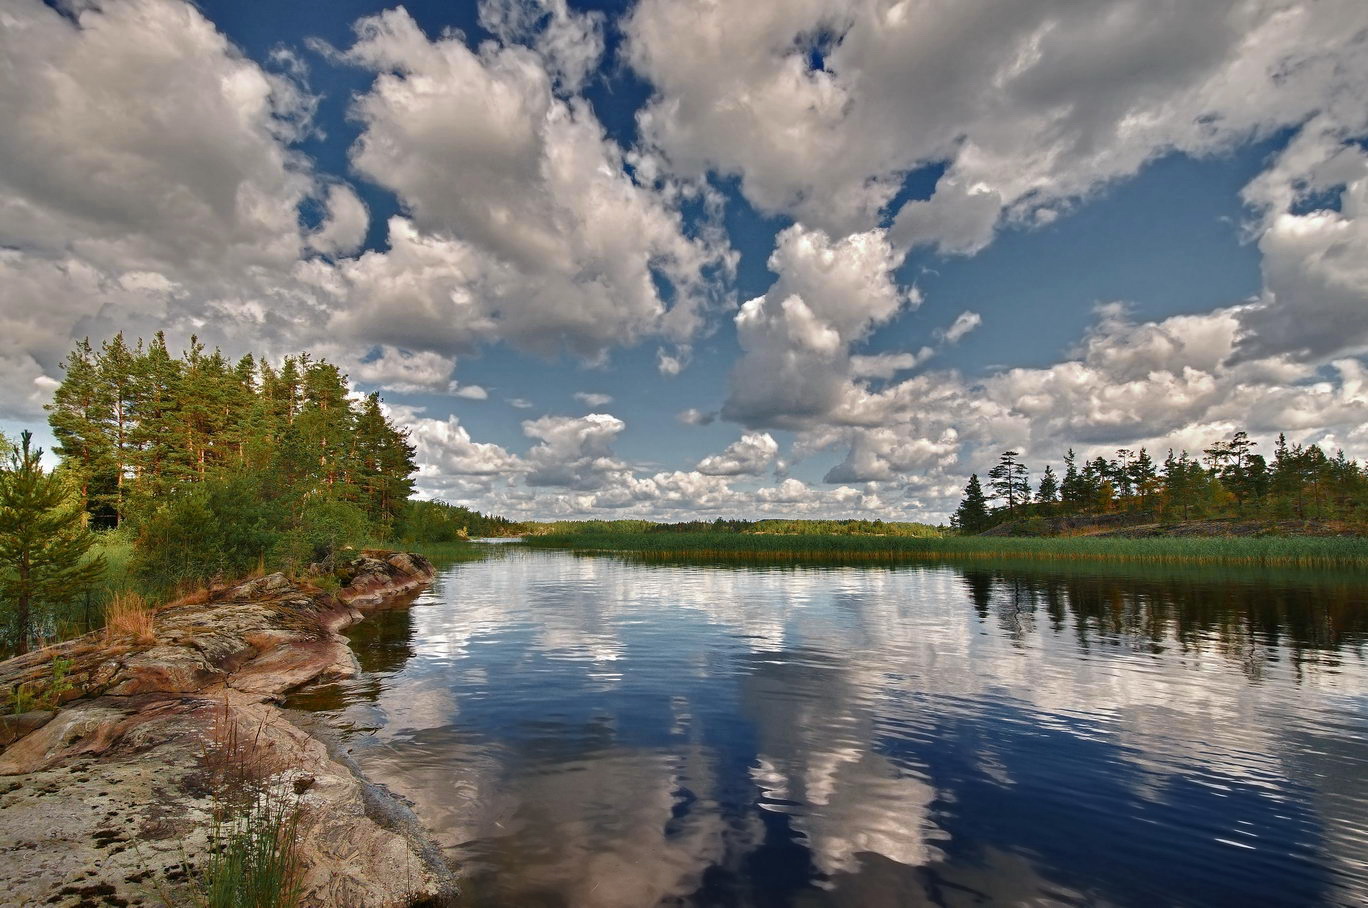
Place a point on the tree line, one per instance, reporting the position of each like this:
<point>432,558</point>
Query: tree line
<point>1228,479</point>
<point>197,467</point>
<point>135,424</point>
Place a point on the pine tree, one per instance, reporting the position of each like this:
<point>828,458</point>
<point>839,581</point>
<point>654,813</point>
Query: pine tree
<point>118,374</point>
<point>43,541</point>
<point>138,425</point>
<point>1048,493</point>
<point>1144,478</point>
<point>1071,490</point>
<point>1120,473</point>
<point>972,514</point>
<point>76,415</point>
<point>1010,480</point>
<point>156,440</point>
<point>325,420</point>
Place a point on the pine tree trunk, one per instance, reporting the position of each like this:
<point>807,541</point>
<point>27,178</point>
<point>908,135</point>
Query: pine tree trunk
<point>119,460</point>
<point>22,608</point>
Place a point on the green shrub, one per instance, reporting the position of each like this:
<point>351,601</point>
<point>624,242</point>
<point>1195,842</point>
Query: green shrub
<point>219,527</point>
<point>325,525</point>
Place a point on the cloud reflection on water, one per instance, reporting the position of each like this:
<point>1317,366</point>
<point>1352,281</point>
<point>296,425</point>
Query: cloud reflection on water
<point>584,731</point>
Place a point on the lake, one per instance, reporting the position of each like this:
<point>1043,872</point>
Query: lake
<point>594,731</point>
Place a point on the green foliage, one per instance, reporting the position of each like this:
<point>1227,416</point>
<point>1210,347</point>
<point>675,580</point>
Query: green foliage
<point>438,521</point>
<point>44,543</point>
<point>1010,480</point>
<point>134,424</point>
<point>325,526</point>
<point>217,527</point>
<point>219,467</point>
<point>42,694</point>
<point>253,859</point>
<point>22,699</point>
<point>972,515</point>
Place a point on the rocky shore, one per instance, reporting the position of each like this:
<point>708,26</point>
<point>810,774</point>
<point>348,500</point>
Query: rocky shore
<point>106,799</point>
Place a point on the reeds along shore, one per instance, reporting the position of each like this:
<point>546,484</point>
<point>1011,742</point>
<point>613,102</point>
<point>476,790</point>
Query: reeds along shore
<point>1281,551</point>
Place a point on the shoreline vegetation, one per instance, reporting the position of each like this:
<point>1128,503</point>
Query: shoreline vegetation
<point>1338,552</point>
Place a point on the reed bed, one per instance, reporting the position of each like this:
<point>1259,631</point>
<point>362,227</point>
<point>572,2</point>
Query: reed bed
<point>1280,551</point>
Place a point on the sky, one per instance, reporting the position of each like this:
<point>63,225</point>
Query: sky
<point>681,259</point>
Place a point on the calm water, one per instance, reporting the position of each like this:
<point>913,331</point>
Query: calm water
<point>585,731</point>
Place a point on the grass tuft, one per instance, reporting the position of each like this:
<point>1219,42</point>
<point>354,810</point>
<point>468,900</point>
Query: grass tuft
<point>253,858</point>
<point>128,615</point>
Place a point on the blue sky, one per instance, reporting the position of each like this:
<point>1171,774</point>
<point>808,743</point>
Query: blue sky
<point>1145,227</point>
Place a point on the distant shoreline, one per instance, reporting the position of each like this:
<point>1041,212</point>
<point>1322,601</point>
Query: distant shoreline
<point>1262,551</point>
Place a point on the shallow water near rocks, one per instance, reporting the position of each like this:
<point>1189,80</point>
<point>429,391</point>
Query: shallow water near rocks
<point>591,731</point>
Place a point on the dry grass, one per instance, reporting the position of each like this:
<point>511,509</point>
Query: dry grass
<point>196,596</point>
<point>128,615</point>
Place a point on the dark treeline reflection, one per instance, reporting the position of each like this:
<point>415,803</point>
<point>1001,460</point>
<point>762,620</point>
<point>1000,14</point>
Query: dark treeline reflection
<point>1248,617</point>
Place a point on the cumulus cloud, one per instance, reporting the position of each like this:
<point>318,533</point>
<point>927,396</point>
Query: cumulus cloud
<point>570,43</point>
<point>1170,383</point>
<point>573,452</point>
<point>524,223</point>
<point>444,448</point>
<point>344,228</point>
<point>146,180</point>
<point>822,106</point>
<point>151,178</point>
<point>886,365</point>
<point>1315,261</point>
<point>750,455</point>
<point>796,338</point>
<point>403,370</point>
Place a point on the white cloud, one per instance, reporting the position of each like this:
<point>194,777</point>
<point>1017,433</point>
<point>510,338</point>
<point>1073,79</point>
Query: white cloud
<point>1032,104</point>
<point>524,225</point>
<point>1315,262</point>
<point>591,399</point>
<point>962,325</point>
<point>344,228</point>
<point>886,365</point>
<point>403,370</point>
<point>796,338</point>
<point>570,43</point>
<point>444,448</point>
<point>573,452</point>
<point>750,455</point>
<point>146,181</point>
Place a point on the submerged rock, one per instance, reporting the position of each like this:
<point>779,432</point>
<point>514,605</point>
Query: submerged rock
<point>105,800</point>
